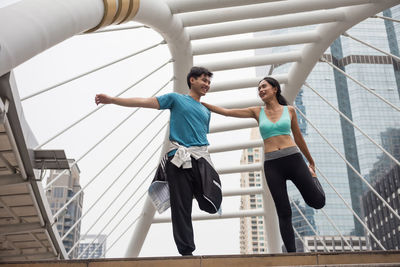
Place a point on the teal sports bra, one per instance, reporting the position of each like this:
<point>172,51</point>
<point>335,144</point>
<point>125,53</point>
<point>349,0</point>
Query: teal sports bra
<point>269,129</point>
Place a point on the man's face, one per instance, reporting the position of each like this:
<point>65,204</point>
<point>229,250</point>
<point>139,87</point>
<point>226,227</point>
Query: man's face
<point>201,84</point>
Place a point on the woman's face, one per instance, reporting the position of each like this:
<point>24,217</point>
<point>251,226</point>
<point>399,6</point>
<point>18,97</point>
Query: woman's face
<point>266,91</point>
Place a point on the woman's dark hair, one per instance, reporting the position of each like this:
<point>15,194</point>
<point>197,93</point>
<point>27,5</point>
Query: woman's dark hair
<point>275,83</point>
<point>196,72</point>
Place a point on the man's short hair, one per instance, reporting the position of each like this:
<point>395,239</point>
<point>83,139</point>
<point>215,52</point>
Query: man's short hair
<point>196,72</point>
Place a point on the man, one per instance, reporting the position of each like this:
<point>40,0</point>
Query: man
<point>188,168</point>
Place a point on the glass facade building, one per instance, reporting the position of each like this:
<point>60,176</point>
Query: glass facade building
<point>60,193</point>
<point>379,73</point>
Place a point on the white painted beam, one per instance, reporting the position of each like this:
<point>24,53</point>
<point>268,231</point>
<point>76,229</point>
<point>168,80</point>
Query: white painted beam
<point>240,168</point>
<point>235,146</point>
<point>244,83</point>
<point>141,229</point>
<point>230,126</point>
<point>245,62</point>
<point>31,28</point>
<point>224,215</point>
<point>262,10</point>
<point>181,6</point>
<point>256,42</point>
<point>157,15</point>
<point>243,103</point>
<point>243,191</point>
<point>265,24</point>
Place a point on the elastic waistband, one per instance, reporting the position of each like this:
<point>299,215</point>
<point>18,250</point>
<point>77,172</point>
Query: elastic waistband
<point>281,153</point>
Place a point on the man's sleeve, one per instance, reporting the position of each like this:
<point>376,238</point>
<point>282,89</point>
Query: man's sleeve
<point>166,101</point>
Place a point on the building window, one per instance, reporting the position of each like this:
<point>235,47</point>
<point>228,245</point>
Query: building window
<point>58,192</point>
<point>250,158</point>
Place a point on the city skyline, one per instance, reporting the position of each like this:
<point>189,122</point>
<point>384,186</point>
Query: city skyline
<point>72,99</point>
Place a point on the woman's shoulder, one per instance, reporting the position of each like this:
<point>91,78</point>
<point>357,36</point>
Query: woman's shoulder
<point>291,111</point>
<point>291,108</point>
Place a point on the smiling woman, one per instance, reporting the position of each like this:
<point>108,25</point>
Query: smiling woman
<point>283,160</point>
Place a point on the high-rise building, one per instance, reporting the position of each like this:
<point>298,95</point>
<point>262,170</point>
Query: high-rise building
<point>379,73</point>
<point>97,246</point>
<point>58,194</point>
<point>382,223</point>
<point>385,176</point>
<point>252,232</point>
<point>390,140</point>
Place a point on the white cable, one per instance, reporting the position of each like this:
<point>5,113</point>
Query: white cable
<point>355,126</point>
<point>371,46</point>
<point>101,140</point>
<point>326,140</point>
<point>351,166</point>
<point>118,29</point>
<point>89,72</point>
<point>105,167</point>
<point>309,224</point>
<point>301,239</point>
<point>350,209</point>
<point>385,18</point>
<point>360,84</point>
<point>123,205</point>
<point>337,230</point>
<point>99,107</point>
<point>126,230</point>
<point>115,180</point>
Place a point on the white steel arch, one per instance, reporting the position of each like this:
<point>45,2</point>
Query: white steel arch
<point>180,22</point>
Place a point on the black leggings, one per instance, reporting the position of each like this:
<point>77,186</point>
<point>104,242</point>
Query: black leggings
<point>291,167</point>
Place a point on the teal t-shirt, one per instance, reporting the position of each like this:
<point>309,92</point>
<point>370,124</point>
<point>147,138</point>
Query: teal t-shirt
<point>190,120</point>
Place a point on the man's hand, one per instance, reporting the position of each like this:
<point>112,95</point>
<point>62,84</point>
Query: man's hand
<point>103,99</point>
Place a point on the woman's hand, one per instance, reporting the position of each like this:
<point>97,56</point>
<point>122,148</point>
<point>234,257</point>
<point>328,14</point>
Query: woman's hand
<point>311,167</point>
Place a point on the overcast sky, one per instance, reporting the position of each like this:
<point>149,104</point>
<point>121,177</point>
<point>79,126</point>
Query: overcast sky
<point>52,111</point>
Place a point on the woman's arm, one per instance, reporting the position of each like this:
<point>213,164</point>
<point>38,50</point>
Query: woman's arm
<point>238,113</point>
<point>299,140</point>
<point>149,102</point>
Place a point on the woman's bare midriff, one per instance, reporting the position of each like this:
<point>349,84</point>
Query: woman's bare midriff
<point>278,142</point>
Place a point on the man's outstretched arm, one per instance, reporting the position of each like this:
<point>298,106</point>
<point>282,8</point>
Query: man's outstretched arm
<point>144,102</point>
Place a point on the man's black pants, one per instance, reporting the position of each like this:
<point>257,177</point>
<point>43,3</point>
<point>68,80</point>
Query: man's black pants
<point>183,185</point>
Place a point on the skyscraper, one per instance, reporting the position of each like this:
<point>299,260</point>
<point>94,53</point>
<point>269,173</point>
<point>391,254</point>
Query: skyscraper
<point>59,193</point>
<point>385,177</point>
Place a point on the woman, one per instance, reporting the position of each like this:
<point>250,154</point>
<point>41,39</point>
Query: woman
<point>283,159</point>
